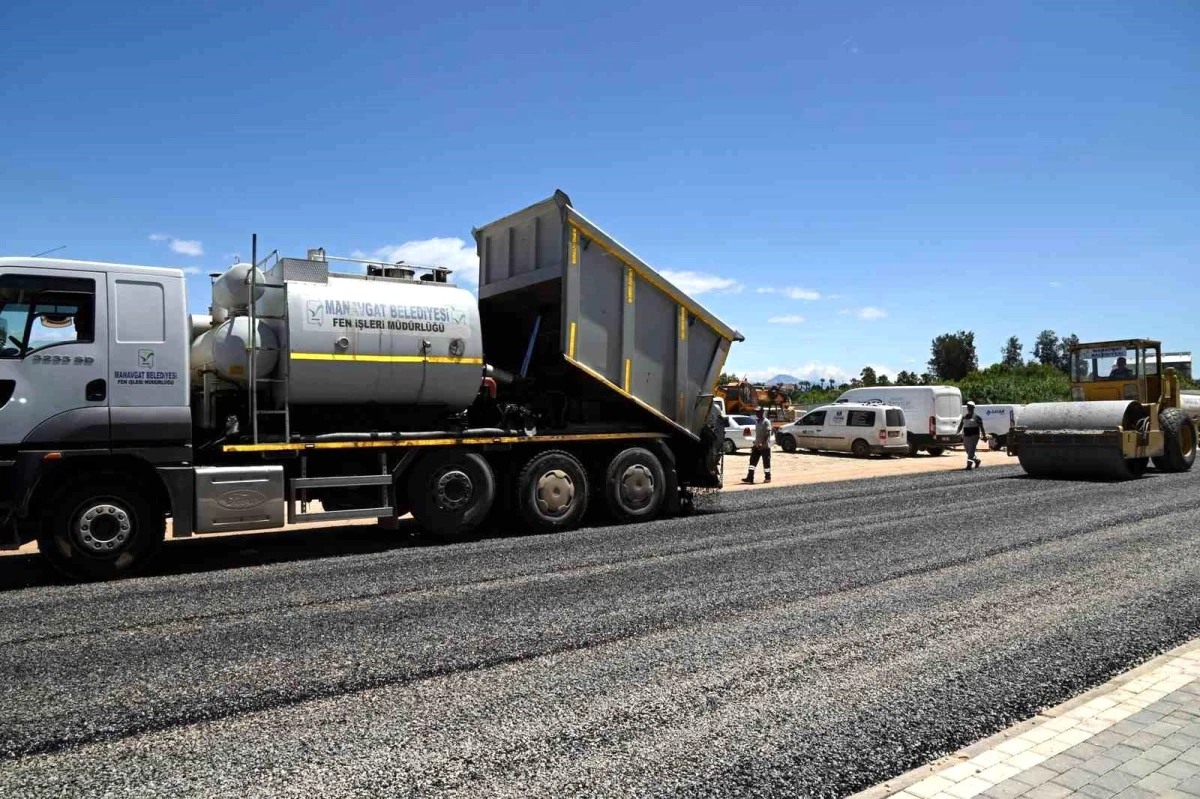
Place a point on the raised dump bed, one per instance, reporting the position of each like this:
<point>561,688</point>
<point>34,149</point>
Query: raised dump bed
<point>581,305</point>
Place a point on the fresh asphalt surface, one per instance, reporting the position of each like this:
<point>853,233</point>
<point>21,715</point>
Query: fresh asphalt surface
<point>802,641</point>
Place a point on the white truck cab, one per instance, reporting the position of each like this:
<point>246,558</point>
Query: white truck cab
<point>93,368</point>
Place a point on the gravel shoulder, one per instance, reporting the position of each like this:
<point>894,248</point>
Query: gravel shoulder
<point>808,641</point>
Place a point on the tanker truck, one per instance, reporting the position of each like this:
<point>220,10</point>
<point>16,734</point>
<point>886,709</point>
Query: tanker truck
<point>579,381</point>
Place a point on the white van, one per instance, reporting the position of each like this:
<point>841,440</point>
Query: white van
<point>932,412</point>
<point>997,421</point>
<point>864,429</point>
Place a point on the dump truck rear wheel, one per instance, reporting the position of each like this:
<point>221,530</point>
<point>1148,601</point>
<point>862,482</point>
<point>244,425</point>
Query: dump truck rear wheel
<point>635,485</point>
<point>1179,441</point>
<point>860,448</point>
<point>451,492</point>
<point>101,528</point>
<point>552,492</point>
<point>788,443</point>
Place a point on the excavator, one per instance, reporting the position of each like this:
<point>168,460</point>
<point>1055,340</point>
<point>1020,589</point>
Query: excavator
<point>1126,412</point>
<point>745,398</point>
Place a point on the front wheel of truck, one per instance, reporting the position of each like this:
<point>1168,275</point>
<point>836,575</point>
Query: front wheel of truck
<point>101,528</point>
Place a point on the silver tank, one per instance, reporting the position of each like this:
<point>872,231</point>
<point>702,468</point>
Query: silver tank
<point>358,339</point>
<point>223,350</point>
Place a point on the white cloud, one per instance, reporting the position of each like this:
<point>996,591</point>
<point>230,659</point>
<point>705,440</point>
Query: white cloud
<point>158,237</point>
<point>449,253</point>
<point>791,319</point>
<point>794,292</point>
<point>700,283</point>
<point>187,247</point>
<point>764,290</point>
<point>871,312</point>
<point>193,270</point>
<point>1054,284</point>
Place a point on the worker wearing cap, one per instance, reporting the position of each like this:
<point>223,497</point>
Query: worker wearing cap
<point>761,448</point>
<point>971,427</point>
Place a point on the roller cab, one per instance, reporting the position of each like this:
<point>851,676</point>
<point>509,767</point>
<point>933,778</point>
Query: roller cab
<point>1126,414</point>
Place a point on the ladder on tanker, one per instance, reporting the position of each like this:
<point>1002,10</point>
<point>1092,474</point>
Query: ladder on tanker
<point>284,369</point>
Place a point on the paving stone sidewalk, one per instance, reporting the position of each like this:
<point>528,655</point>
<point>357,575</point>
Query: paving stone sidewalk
<point>1137,736</point>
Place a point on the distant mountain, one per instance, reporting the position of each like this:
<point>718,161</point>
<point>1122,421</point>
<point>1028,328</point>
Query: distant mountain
<point>782,379</point>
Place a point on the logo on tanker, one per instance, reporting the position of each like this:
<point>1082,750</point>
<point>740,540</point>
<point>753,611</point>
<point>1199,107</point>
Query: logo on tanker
<point>342,315</point>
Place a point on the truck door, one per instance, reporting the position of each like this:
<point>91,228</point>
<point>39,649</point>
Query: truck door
<point>54,357</point>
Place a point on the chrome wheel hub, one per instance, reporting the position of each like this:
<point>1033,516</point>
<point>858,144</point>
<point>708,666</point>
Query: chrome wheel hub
<point>555,493</point>
<point>454,489</point>
<point>103,528</point>
<point>637,486</point>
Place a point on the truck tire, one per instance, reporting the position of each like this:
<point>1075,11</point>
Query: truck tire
<point>787,443</point>
<point>913,449</point>
<point>635,485</point>
<point>860,448</point>
<point>451,492</point>
<point>552,492</point>
<point>730,447</point>
<point>1179,441</point>
<point>101,527</point>
<point>995,444</point>
<point>936,451</point>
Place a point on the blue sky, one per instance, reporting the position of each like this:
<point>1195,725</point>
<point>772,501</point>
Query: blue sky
<point>882,172</point>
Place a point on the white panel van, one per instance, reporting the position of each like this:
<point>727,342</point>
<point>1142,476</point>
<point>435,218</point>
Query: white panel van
<point>932,413</point>
<point>870,429</point>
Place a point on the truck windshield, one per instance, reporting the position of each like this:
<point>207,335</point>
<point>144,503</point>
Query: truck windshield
<point>1097,364</point>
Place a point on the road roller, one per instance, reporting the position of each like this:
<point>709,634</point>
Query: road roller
<point>1126,413</point>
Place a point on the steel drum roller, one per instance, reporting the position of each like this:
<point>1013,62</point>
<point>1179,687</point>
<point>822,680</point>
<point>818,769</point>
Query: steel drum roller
<point>1078,439</point>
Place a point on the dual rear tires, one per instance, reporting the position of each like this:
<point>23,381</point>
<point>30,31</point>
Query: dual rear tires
<point>452,493</point>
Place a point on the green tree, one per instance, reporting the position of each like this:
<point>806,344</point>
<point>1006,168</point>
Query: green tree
<point>953,355</point>
<point>728,377</point>
<point>906,378</point>
<point>1064,351</point>
<point>883,381</point>
<point>867,376</point>
<point>1046,350</point>
<point>1010,353</point>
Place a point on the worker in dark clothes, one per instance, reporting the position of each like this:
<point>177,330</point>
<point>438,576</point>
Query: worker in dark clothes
<point>971,427</point>
<point>761,448</point>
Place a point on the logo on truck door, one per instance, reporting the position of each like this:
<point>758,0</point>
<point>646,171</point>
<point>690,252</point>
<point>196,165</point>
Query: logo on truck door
<point>146,359</point>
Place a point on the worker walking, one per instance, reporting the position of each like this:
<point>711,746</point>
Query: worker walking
<point>971,427</point>
<point>761,448</point>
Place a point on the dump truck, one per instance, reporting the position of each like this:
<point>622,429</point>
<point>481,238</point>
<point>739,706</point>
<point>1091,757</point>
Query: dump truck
<point>579,380</point>
<point>1126,413</point>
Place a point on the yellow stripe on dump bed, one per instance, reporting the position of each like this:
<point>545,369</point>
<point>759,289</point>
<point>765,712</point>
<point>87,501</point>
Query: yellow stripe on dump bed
<point>437,442</point>
<point>326,356</point>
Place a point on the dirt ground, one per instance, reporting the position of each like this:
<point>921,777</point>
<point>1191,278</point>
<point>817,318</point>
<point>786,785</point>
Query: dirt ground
<point>802,468</point>
<point>799,468</point>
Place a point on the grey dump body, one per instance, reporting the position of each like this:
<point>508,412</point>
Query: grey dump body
<point>612,317</point>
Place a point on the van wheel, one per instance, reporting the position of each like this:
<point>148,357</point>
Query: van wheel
<point>100,528</point>
<point>788,443</point>
<point>552,492</point>
<point>935,451</point>
<point>860,448</point>
<point>635,485</point>
<point>730,447</point>
<point>913,449</point>
<point>451,492</point>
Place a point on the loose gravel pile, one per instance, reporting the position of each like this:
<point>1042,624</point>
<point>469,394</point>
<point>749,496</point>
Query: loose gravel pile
<point>808,641</point>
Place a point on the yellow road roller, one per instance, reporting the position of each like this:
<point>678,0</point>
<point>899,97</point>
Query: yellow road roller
<point>1126,411</point>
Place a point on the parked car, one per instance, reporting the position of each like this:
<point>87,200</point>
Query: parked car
<point>997,421</point>
<point>861,428</point>
<point>739,433</point>
<point>932,412</point>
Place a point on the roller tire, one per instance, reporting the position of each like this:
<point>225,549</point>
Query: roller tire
<point>61,536</point>
<point>542,465</point>
<point>618,483</point>
<point>860,448</point>
<point>787,443</point>
<point>1179,441</point>
<point>435,509</point>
